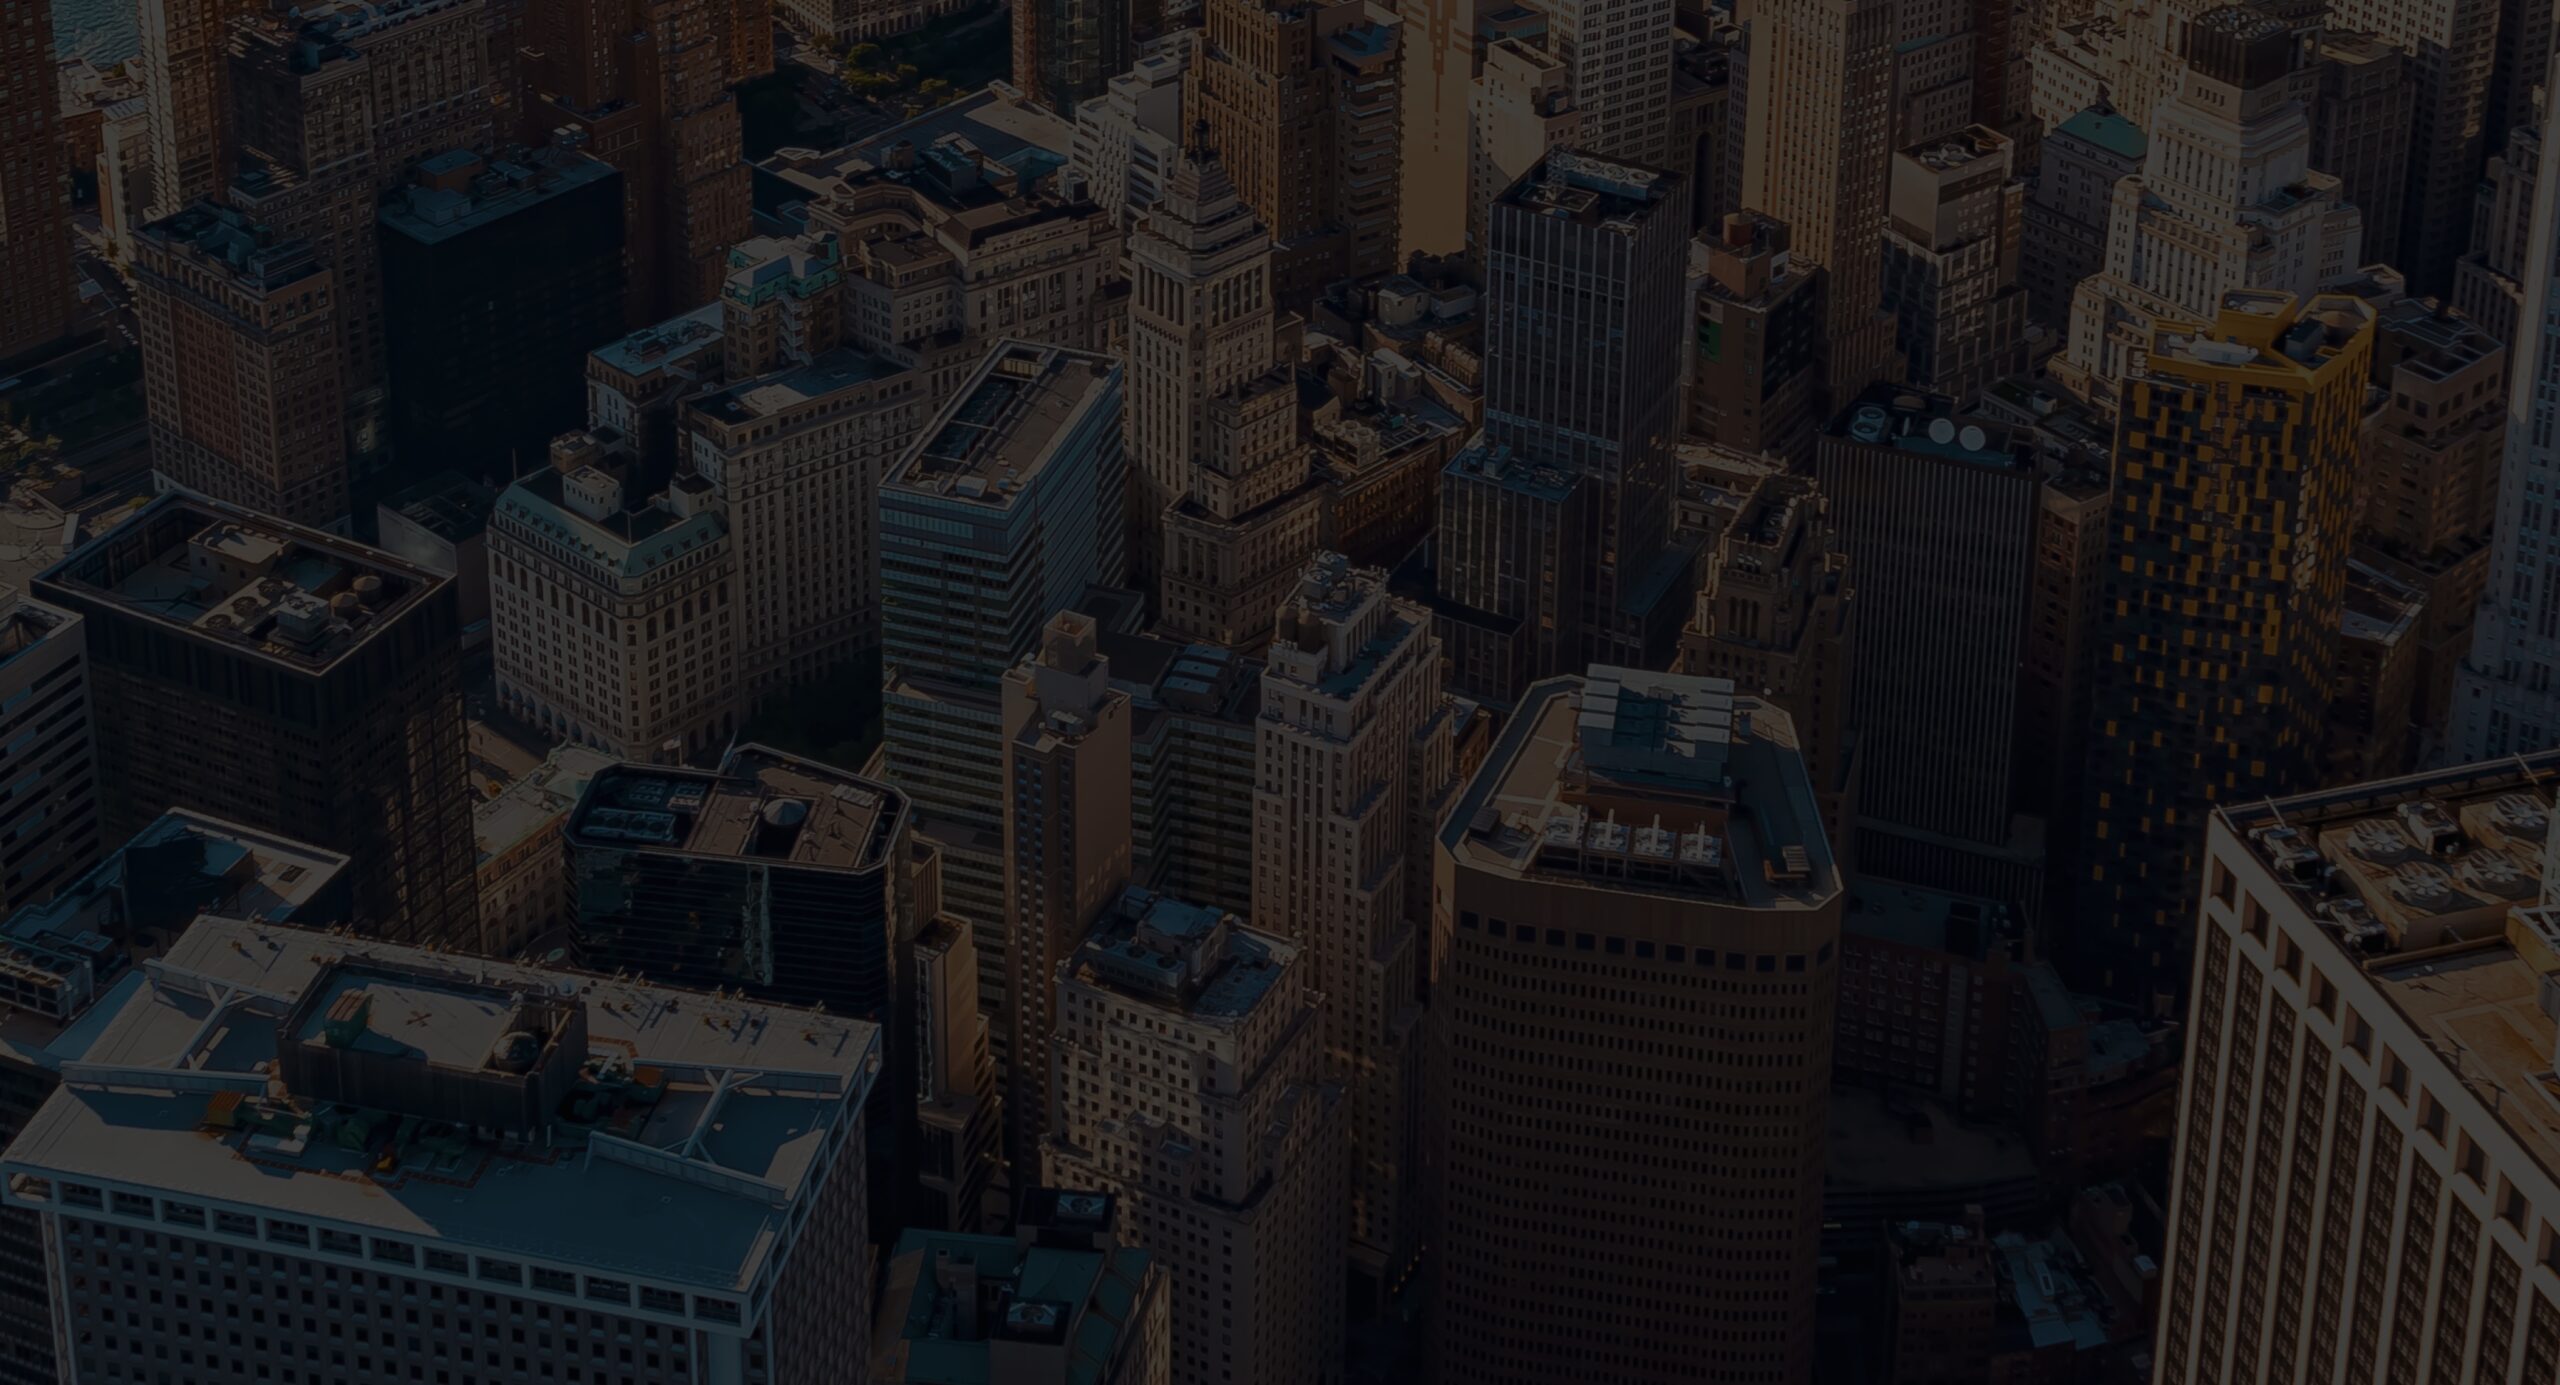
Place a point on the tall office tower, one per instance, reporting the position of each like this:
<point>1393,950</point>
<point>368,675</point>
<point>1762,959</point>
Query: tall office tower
<point>795,460</point>
<point>612,618</point>
<point>1778,613</point>
<point>1703,121</point>
<point>123,171</point>
<point>287,680</point>
<point>1642,850</point>
<point>184,65</point>
<point>2235,494</point>
<point>1006,511</point>
<point>1521,109</point>
<point>35,213</point>
<point>1204,353</point>
<point>1193,737</point>
<point>2360,130</point>
<point>2367,1171</point>
<point>2452,53</point>
<point>417,1132</point>
<point>1508,569</point>
<point>1066,847</point>
<point>68,953</point>
<point>2488,281</point>
<point>332,105</point>
<point>1951,274</point>
<point>1818,154</point>
<point>1587,259</point>
<point>241,372</point>
<point>2069,206</point>
<point>1188,1083</point>
<point>2055,674</point>
<point>2506,699</point>
<point>49,829</point>
<point>647,82</point>
<point>1128,141</point>
<point>1301,104</point>
<point>1065,52</point>
<point>2528,39</point>
<point>1352,767</point>
<point>1444,55</point>
<point>1910,481</point>
<point>2427,492</point>
<point>1062,1298</point>
<point>2227,199</point>
<point>958,1124</point>
<point>1617,61</point>
<point>499,275</point>
<point>1933,69</point>
<point>1755,373</point>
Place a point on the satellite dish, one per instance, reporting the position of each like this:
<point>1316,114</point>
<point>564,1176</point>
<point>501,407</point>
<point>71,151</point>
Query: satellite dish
<point>1942,431</point>
<point>1974,438</point>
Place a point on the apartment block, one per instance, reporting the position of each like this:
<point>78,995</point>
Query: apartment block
<point>2366,1177</point>
<point>411,1131</point>
<point>241,373</point>
<point>1640,860</point>
<point>1951,262</point>
<point>613,616</point>
<point>1187,1082</point>
<point>287,680</point>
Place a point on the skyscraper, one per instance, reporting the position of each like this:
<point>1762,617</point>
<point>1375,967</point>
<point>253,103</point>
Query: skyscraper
<point>185,70</point>
<point>2366,1173</point>
<point>1065,52</point>
<point>1642,918</point>
<point>397,1125</point>
<point>1187,1082</point>
<point>2451,49</point>
<point>48,753</point>
<point>1816,155</point>
<point>1617,61</point>
<point>1755,377</point>
<point>35,211</point>
<point>1521,107</point>
<point>287,680</point>
<point>1351,769</point>
<point>1951,262</point>
<point>2506,699</point>
<point>2233,512</point>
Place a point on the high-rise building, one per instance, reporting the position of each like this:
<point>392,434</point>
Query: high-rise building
<point>499,275</point>
<point>2489,280</point>
<point>2367,1174</point>
<point>1521,110</point>
<point>413,1131</point>
<point>635,383</point>
<point>1641,917</point>
<point>1951,271</point>
<point>2227,199</point>
<point>1617,60</point>
<point>287,680</point>
<point>73,950</point>
<point>1352,768</point>
<point>2065,240</point>
<point>2507,700</point>
<point>524,871</point>
<point>1007,510</point>
<point>1127,141</point>
<point>1062,1298</point>
<point>184,64</point>
<point>1193,741</point>
<point>2451,52</point>
<point>1444,54</point>
<point>1755,373</point>
<point>49,823</point>
<point>612,619</point>
<point>35,197</point>
<point>958,1111</point>
<point>241,374</point>
<point>1934,54</point>
<point>647,83</point>
<point>1583,315</point>
<point>2360,128</point>
<point>2234,511</point>
<point>1301,103</point>
<point>1187,1081</point>
<point>1937,511</point>
<point>1066,847</point>
<point>1817,155</point>
<point>1065,52</point>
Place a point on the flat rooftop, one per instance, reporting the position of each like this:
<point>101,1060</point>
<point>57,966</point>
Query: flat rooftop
<point>1006,423</point>
<point>539,799</point>
<point>670,345</point>
<point>289,595</point>
<point>467,193</point>
<point>1200,962</point>
<point>708,1113</point>
<point>248,250</point>
<point>1079,1300</point>
<point>1648,783</point>
<point>1590,190</point>
<point>760,803</point>
<point>1930,425</point>
<point>449,505</point>
<point>798,386</point>
<point>2429,888</point>
<point>629,540</point>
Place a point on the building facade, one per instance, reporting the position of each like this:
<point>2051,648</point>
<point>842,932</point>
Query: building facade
<point>35,202</point>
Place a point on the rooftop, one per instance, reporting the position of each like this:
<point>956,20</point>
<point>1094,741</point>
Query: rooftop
<point>1930,425</point>
<point>251,251</point>
<point>1007,422</point>
<point>2430,890</point>
<point>459,192</point>
<point>1966,925</point>
<point>2109,130</point>
<point>1649,783</point>
<point>2265,330</point>
<point>796,386</point>
<point>354,1084</point>
<point>948,1298</point>
<point>672,344</point>
<point>449,505</point>
<point>1199,961</point>
<point>760,803</point>
<point>229,576</point>
<point>1590,190</point>
<point>541,798</point>
<point>628,540</point>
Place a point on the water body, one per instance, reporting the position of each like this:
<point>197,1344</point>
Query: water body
<point>103,31</point>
